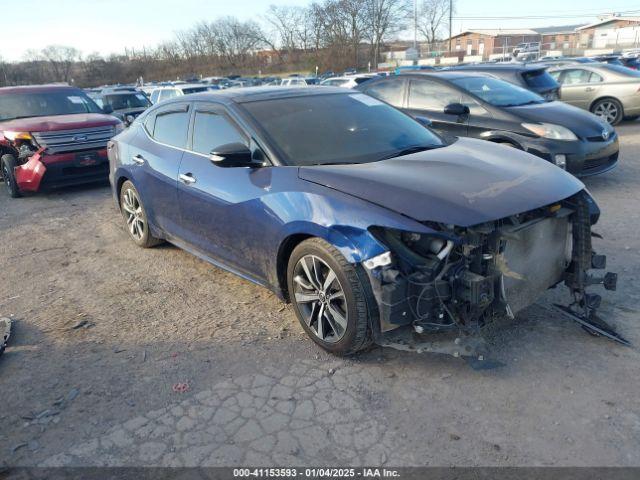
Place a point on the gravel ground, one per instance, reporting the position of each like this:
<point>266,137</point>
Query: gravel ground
<point>124,356</point>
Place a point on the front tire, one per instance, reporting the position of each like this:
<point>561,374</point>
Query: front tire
<point>9,164</point>
<point>135,217</point>
<point>609,109</point>
<point>330,298</point>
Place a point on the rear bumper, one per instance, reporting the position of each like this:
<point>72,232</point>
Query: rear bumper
<point>61,170</point>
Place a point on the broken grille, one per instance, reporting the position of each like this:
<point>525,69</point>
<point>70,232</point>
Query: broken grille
<point>73,140</point>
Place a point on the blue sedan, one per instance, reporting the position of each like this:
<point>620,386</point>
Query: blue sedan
<point>374,227</point>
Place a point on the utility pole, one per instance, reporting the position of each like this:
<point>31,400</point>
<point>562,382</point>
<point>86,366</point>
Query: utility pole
<point>450,23</point>
<point>415,24</point>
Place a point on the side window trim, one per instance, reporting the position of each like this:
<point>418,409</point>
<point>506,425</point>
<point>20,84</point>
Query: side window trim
<point>164,110</point>
<point>214,109</point>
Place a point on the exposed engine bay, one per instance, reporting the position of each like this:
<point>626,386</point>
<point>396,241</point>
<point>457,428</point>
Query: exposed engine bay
<point>458,281</point>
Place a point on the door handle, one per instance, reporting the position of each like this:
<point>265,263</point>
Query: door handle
<point>187,178</point>
<point>589,89</point>
<point>139,159</point>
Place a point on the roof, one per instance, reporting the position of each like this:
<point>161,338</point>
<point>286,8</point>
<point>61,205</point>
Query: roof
<point>251,94</point>
<point>492,32</point>
<point>559,29</point>
<point>608,20</point>
<point>498,66</point>
<point>36,88</point>
<point>445,74</point>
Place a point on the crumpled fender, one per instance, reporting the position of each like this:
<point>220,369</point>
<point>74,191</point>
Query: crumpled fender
<point>29,175</point>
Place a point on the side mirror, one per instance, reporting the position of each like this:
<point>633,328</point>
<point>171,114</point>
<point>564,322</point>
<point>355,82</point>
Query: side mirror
<point>233,155</point>
<point>108,109</point>
<point>456,109</point>
<point>424,121</point>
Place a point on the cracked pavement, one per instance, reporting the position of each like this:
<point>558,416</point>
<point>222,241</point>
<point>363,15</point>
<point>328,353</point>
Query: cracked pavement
<point>282,417</point>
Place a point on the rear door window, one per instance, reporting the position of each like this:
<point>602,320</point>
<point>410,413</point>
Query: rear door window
<point>595,78</point>
<point>172,126</point>
<point>390,91</point>
<point>575,76</point>
<point>428,95</point>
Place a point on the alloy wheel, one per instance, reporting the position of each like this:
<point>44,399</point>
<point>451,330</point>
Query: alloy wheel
<point>320,298</point>
<point>607,110</point>
<point>133,214</point>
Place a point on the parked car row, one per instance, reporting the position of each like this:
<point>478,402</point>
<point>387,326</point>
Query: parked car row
<point>376,228</point>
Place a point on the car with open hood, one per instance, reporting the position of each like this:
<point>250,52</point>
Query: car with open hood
<point>374,227</point>
<point>52,136</point>
<point>479,105</point>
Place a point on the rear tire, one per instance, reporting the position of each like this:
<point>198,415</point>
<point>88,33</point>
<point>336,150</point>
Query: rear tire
<point>631,118</point>
<point>342,308</point>
<point>609,109</point>
<point>135,217</point>
<point>9,164</point>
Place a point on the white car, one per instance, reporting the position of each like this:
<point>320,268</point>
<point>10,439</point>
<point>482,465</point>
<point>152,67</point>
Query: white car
<point>526,50</point>
<point>299,81</point>
<point>164,93</point>
<point>350,81</point>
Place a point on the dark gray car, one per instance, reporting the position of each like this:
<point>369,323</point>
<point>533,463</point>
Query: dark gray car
<point>470,104</point>
<point>531,77</point>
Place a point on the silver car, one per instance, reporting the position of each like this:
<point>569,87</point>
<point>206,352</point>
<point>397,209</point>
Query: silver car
<point>610,91</point>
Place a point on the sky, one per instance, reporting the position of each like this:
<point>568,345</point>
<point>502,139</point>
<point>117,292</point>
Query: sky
<point>109,26</point>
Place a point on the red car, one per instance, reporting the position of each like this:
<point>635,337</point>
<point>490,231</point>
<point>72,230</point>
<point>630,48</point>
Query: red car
<point>52,136</point>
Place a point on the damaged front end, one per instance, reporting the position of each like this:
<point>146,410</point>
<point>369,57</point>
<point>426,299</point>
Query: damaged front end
<point>29,168</point>
<point>457,281</point>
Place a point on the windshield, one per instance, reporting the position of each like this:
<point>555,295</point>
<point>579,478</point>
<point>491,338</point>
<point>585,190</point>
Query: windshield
<point>338,128</point>
<point>497,92</point>
<point>123,101</point>
<point>40,104</point>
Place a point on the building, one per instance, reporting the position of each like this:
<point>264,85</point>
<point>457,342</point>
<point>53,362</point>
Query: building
<point>490,42</point>
<point>563,38</point>
<point>610,32</point>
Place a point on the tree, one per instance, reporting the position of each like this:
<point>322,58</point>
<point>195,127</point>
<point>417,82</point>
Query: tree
<point>383,18</point>
<point>60,59</point>
<point>432,17</point>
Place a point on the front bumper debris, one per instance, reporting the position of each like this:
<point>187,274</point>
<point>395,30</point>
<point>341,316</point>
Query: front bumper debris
<point>444,293</point>
<point>29,175</point>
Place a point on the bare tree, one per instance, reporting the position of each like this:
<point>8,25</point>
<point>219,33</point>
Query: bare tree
<point>432,18</point>
<point>60,58</point>
<point>383,18</point>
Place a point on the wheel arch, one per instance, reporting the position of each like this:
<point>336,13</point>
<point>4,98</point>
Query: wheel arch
<point>355,244</point>
<point>284,253</point>
<point>118,184</point>
<point>606,97</point>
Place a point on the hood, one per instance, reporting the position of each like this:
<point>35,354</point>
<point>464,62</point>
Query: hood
<point>59,122</point>
<point>467,183</point>
<point>581,122</point>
